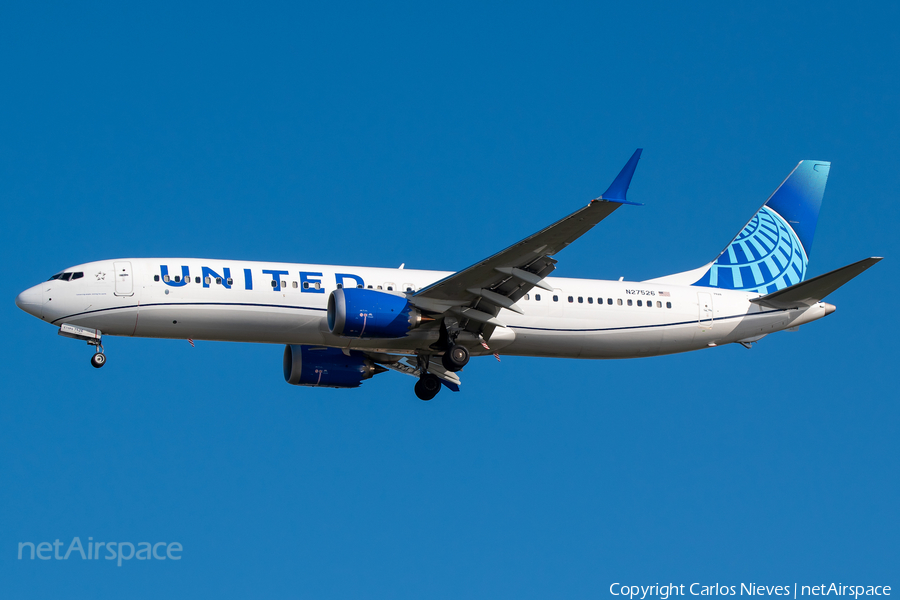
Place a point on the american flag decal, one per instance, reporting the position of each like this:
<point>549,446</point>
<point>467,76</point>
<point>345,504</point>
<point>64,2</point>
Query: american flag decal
<point>191,342</point>
<point>664,294</point>
<point>486,347</point>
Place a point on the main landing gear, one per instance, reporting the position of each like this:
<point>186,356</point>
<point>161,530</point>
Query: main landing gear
<point>428,386</point>
<point>455,358</point>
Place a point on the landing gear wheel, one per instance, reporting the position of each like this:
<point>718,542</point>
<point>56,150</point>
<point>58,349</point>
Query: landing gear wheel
<point>428,386</point>
<point>455,358</point>
<point>98,360</point>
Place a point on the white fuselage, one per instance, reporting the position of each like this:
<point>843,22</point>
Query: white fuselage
<point>281,303</point>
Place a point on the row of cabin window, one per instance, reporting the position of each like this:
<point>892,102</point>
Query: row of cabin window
<point>388,286</point>
<point>609,301</point>
<point>306,285</point>
<point>209,280</point>
<point>317,285</point>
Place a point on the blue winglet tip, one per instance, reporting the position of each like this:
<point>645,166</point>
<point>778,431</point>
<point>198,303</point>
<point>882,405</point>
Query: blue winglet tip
<point>619,187</point>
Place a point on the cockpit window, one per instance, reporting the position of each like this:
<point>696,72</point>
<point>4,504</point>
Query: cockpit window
<point>66,276</point>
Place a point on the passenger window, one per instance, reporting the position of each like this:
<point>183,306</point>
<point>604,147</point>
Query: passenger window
<point>590,300</point>
<point>208,280</point>
<point>177,278</point>
<point>609,301</point>
<point>294,285</point>
<point>230,281</point>
<point>556,298</point>
<point>378,287</point>
<point>390,288</point>
<point>358,286</point>
<point>156,278</point>
<point>318,285</point>
<point>305,285</point>
<point>283,284</point>
<point>580,300</point>
<point>274,283</point>
<point>668,305</point>
<point>639,303</point>
<point>218,281</point>
<point>571,299</point>
<point>629,302</point>
<point>77,275</point>
<point>340,286</point>
<point>166,278</point>
<point>527,297</point>
<point>196,280</point>
<point>537,297</point>
<point>658,304</point>
<point>619,301</point>
<point>369,286</point>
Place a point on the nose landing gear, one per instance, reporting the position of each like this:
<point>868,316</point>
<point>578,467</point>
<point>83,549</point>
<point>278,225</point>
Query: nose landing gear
<point>92,336</point>
<point>98,359</point>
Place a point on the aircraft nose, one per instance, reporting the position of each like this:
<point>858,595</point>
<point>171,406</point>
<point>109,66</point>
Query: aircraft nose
<point>31,301</point>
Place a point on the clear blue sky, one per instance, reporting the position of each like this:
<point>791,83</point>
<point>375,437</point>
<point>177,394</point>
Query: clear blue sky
<point>433,136</point>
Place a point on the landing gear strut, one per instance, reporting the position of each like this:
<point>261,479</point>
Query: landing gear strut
<point>428,386</point>
<point>455,358</point>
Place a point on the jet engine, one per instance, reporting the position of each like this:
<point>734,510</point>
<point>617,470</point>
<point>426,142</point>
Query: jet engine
<point>362,313</point>
<point>327,367</point>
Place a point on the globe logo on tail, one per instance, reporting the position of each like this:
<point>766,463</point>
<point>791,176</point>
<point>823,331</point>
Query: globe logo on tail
<point>765,257</point>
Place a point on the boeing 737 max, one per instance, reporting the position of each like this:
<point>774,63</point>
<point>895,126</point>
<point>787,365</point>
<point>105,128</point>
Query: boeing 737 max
<point>342,325</point>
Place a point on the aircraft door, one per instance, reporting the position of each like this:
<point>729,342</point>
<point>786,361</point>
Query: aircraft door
<point>124,279</point>
<point>705,305</point>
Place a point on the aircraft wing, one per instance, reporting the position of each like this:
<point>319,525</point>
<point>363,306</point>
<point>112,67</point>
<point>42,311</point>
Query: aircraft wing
<point>477,294</point>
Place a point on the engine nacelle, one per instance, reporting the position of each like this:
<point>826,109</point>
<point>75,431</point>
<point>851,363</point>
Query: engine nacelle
<point>362,313</point>
<point>327,367</point>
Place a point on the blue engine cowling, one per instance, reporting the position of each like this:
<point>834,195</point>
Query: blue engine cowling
<point>361,313</point>
<point>327,367</point>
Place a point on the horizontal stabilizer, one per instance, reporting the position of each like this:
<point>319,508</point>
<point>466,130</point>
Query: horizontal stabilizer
<point>807,293</point>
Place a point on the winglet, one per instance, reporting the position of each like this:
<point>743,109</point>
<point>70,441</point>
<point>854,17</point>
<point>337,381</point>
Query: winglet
<point>619,186</point>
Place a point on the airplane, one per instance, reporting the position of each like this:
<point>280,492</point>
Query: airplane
<point>342,325</point>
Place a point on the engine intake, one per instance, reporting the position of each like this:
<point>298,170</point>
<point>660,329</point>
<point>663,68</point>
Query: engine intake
<point>361,313</point>
<point>327,367</point>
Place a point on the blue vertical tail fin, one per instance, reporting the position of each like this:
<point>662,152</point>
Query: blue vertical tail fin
<point>772,251</point>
